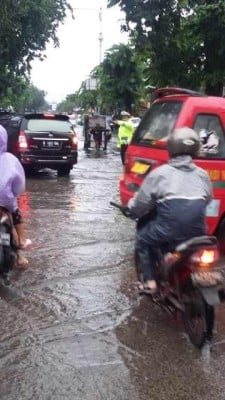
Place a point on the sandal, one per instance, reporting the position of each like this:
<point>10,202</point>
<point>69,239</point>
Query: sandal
<point>27,243</point>
<point>144,289</point>
<point>22,262</point>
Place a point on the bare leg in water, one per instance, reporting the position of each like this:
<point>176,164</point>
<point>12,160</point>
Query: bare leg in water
<point>18,235</point>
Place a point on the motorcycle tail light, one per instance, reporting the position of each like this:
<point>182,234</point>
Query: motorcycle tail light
<point>205,257</point>
<point>22,141</point>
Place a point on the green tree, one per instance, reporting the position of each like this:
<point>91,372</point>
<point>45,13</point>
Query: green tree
<point>34,99</point>
<point>26,27</point>
<point>68,104</point>
<point>24,96</point>
<point>206,29</point>
<point>121,78</point>
<point>183,41</point>
<point>83,98</point>
<point>87,98</point>
<point>154,26</point>
<point>120,83</point>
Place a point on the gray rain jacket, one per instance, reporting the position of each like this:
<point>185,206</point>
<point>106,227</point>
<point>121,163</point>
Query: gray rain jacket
<point>179,193</point>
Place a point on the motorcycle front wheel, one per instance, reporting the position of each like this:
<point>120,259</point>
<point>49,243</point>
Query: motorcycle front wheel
<point>198,317</point>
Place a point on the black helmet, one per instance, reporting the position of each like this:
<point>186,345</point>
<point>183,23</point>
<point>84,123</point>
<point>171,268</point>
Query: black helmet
<point>183,141</point>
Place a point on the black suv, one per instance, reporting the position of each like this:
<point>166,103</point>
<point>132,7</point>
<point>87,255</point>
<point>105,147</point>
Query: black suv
<point>41,140</point>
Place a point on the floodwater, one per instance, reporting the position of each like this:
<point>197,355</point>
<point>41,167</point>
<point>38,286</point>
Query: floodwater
<point>72,326</point>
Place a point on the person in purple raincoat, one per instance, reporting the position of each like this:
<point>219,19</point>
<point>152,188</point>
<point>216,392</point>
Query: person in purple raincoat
<point>12,184</point>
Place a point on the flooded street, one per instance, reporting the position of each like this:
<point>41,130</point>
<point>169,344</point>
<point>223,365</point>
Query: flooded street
<point>72,326</point>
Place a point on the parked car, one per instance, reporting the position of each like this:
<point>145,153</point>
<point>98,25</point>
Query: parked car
<point>174,108</point>
<point>42,140</point>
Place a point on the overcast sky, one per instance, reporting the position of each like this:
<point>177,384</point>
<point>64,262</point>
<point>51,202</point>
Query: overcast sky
<point>79,52</point>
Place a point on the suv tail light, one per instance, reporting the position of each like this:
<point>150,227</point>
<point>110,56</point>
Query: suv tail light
<point>205,257</point>
<point>22,141</point>
<point>74,140</point>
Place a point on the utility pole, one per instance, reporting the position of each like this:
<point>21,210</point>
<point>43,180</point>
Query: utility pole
<point>100,35</point>
<point>100,15</point>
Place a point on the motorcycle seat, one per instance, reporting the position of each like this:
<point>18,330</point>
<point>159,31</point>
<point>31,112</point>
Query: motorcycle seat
<point>195,242</point>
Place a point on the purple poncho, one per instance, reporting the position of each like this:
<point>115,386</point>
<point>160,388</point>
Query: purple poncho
<point>12,177</point>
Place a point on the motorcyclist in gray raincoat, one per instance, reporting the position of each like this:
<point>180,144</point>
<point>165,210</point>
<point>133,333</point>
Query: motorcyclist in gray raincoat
<point>178,193</point>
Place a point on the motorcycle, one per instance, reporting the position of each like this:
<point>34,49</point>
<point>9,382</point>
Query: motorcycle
<point>188,283</point>
<point>8,248</point>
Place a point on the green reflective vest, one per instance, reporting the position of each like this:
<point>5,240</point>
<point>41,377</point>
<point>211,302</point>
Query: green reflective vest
<point>125,133</point>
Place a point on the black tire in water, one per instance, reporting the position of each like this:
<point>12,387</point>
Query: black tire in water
<point>198,319</point>
<point>29,171</point>
<point>64,171</point>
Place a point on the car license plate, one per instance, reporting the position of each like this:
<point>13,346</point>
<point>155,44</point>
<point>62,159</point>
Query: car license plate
<point>140,168</point>
<point>206,279</point>
<point>5,239</point>
<point>50,143</point>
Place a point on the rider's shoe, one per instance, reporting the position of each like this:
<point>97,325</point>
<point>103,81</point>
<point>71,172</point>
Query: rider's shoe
<point>145,289</point>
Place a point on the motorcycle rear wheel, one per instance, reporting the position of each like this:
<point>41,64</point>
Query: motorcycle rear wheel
<point>198,318</point>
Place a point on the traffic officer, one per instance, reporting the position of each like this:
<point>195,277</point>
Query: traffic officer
<point>125,133</point>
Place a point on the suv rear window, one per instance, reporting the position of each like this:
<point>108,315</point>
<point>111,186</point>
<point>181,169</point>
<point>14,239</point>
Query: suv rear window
<point>212,137</point>
<point>48,125</point>
<point>158,122</point>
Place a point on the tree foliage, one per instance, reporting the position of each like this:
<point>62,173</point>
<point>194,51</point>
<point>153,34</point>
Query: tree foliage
<point>83,98</point>
<point>26,27</point>
<point>24,97</point>
<point>184,41</point>
<point>121,78</point>
<point>34,99</point>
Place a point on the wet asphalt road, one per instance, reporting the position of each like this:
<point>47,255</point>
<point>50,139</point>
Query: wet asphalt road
<point>72,326</point>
